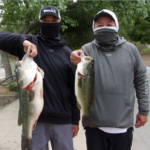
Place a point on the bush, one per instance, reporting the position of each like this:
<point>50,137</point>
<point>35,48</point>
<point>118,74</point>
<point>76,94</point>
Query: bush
<point>146,50</point>
<point>139,46</point>
<point>13,87</point>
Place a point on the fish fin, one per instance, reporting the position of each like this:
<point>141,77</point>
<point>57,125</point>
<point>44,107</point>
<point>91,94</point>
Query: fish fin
<point>19,119</point>
<point>19,92</point>
<point>34,126</point>
<point>87,121</point>
<point>91,123</point>
<point>79,106</point>
<point>84,121</point>
<point>41,71</point>
<point>26,144</point>
<point>93,104</point>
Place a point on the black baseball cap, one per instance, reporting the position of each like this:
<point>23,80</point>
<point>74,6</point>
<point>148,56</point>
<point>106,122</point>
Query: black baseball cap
<point>49,10</point>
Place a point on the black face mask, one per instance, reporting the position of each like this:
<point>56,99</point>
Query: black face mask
<point>106,37</point>
<point>50,30</point>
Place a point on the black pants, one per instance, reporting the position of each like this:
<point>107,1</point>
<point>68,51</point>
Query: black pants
<point>96,139</point>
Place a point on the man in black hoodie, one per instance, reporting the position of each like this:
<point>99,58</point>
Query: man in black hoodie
<point>59,119</point>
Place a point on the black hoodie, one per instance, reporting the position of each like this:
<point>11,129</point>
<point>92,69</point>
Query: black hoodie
<point>60,106</point>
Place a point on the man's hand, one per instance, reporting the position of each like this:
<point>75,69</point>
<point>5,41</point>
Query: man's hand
<point>75,129</point>
<point>30,48</point>
<point>75,56</point>
<point>140,120</point>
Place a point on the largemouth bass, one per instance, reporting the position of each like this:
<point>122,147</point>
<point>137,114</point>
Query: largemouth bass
<point>84,87</point>
<point>30,85</point>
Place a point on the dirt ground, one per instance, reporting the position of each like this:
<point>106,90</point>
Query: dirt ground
<point>5,91</point>
<point>146,59</point>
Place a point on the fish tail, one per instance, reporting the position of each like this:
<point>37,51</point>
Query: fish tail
<point>26,144</point>
<point>87,121</point>
<point>84,121</point>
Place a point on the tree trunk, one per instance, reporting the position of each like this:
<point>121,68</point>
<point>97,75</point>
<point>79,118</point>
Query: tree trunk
<point>6,64</point>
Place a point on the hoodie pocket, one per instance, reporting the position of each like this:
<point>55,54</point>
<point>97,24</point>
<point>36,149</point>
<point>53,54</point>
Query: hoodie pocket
<point>111,110</point>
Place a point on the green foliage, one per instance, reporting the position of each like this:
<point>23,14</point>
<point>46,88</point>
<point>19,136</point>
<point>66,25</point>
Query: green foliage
<point>84,13</point>
<point>77,18</point>
<point>19,15</point>
<point>13,87</point>
<point>141,27</point>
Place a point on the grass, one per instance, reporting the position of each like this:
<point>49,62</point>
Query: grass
<point>13,87</point>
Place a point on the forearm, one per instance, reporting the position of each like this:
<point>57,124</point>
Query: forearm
<point>143,100</point>
<point>142,92</point>
<point>141,83</point>
<point>75,114</point>
<point>74,108</point>
<point>12,43</point>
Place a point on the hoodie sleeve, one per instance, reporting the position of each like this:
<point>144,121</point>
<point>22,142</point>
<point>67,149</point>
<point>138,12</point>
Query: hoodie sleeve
<point>12,43</point>
<point>75,112</point>
<point>141,84</point>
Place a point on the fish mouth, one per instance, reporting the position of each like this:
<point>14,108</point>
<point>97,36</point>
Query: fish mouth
<point>80,74</point>
<point>30,86</point>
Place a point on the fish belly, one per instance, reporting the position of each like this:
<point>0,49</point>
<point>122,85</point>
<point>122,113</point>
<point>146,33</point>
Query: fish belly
<point>32,105</point>
<point>84,90</point>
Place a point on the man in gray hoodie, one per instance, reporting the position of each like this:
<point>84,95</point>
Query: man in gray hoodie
<point>119,72</point>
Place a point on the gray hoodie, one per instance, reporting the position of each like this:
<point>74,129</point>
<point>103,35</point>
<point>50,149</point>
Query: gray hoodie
<point>118,73</point>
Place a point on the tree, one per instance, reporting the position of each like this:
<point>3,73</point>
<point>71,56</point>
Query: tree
<point>21,16</point>
<point>6,64</point>
<point>85,11</point>
<point>141,29</point>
